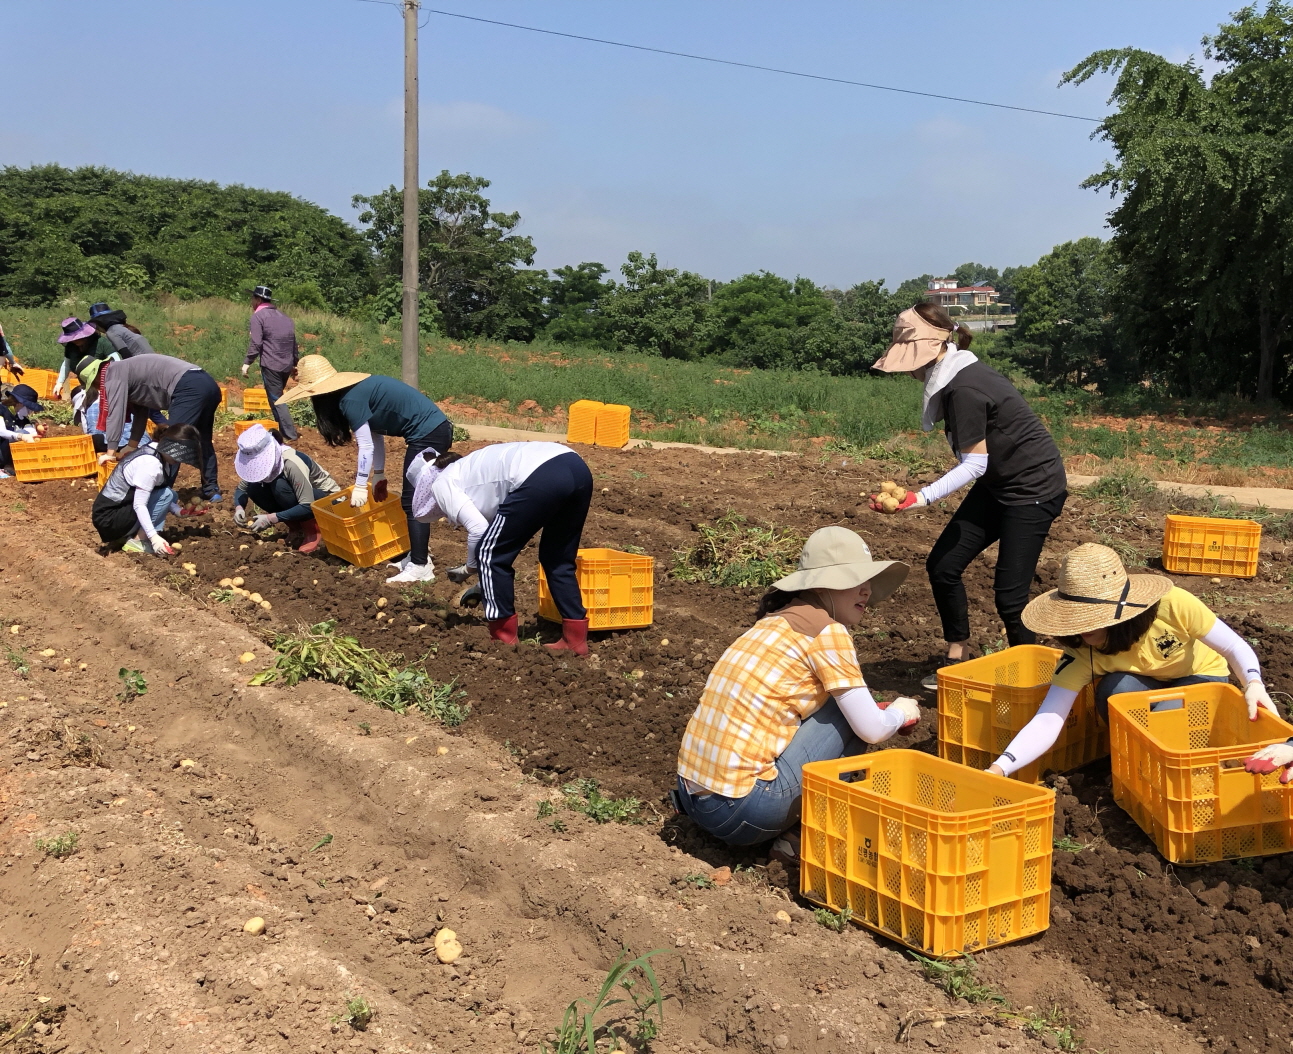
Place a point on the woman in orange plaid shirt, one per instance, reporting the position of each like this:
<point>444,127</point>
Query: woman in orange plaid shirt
<point>789,691</point>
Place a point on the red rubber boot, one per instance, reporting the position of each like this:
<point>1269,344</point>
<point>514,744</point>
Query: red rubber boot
<point>574,636</point>
<point>312,537</point>
<point>503,629</point>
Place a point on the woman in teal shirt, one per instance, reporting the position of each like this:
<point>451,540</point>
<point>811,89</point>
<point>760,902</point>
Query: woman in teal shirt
<point>369,407</point>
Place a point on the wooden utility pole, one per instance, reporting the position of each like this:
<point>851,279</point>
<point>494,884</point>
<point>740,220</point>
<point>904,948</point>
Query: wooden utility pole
<point>409,317</point>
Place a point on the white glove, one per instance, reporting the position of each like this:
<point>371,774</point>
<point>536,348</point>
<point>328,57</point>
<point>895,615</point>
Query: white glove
<point>459,574</point>
<point>910,711</point>
<point>29,437</point>
<point>263,521</point>
<point>105,458</point>
<point>58,390</point>
<point>1268,759</point>
<point>358,496</point>
<point>160,546</point>
<point>246,369</point>
<point>1257,695</point>
<point>240,515</point>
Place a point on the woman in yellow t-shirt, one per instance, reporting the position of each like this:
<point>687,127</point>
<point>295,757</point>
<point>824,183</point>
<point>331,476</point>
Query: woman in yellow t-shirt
<point>788,691</point>
<point>1135,633</point>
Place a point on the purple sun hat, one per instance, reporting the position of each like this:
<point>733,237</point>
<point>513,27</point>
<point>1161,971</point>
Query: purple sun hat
<point>75,329</point>
<point>259,456</point>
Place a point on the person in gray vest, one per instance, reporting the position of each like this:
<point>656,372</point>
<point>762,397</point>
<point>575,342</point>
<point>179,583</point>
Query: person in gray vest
<point>273,341</point>
<point>131,509</point>
<point>155,382</point>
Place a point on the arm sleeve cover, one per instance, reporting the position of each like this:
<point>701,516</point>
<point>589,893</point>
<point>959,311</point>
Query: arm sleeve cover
<point>7,433</point>
<point>867,720</point>
<point>141,512</point>
<point>1243,660</point>
<point>364,439</point>
<point>1039,735</point>
<point>459,510</point>
<point>63,372</point>
<point>972,466</point>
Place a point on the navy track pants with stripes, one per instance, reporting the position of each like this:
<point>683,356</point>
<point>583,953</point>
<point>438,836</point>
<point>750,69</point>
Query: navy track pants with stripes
<point>554,499</point>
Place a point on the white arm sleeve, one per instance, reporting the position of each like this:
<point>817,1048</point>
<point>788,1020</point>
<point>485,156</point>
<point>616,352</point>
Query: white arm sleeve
<point>63,371</point>
<point>142,514</point>
<point>972,466</point>
<point>1039,735</point>
<point>871,724</point>
<point>1238,652</point>
<point>459,510</point>
<point>7,433</point>
<point>364,439</point>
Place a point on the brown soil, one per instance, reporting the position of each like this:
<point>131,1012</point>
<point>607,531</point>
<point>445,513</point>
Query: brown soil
<point>137,936</point>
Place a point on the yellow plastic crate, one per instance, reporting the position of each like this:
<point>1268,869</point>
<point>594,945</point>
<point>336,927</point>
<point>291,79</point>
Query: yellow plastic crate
<point>254,399</point>
<point>104,471</point>
<point>613,425</point>
<point>224,396</point>
<point>618,589</point>
<point>939,857</point>
<point>41,381</point>
<point>1179,773</point>
<point>65,457</point>
<point>581,425</point>
<point>365,536</point>
<point>983,703</point>
<point>239,427</point>
<point>1203,545</point>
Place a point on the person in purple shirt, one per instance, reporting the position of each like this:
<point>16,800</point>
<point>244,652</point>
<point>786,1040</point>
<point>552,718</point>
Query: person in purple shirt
<point>273,341</point>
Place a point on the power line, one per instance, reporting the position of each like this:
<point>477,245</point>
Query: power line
<point>754,66</point>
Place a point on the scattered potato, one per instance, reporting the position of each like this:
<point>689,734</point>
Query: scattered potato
<point>187,763</point>
<point>15,629</point>
<point>266,605</point>
<point>247,656</point>
<point>381,602</point>
<point>447,948</point>
<point>379,616</point>
<point>177,546</point>
<point>242,547</point>
<point>256,598</point>
<point>48,653</point>
<point>236,581</point>
<point>254,926</point>
<point>225,583</point>
<point>238,591</point>
<point>442,750</point>
<point>664,643</point>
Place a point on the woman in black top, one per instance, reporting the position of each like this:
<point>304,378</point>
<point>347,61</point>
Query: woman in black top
<point>1003,448</point>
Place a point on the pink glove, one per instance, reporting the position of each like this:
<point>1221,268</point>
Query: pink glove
<point>1268,759</point>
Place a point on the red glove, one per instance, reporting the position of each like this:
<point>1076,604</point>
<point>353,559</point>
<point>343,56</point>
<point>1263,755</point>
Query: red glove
<point>1268,759</point>
<point>903,505</point>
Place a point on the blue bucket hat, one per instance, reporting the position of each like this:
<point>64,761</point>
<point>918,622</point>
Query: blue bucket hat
<point>25,395</point>
<point>99,308</point>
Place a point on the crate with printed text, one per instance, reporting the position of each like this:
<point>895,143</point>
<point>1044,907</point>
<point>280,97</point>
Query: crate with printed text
<point>65,457</point>
<point>1206,545</point>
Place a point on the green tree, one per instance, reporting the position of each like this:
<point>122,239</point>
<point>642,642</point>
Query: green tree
<point>913,290</point>
<point>62,229</point>
<point>976,274</point>
<point>657,310</point>
<point>1066,333</point>
<point>1203,173</point>
<point>573,313</point>
<point>761,319</point>
<point>469,259</point>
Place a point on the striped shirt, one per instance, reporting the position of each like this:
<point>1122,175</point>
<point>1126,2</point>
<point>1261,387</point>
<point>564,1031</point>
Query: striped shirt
<point>766,683</point>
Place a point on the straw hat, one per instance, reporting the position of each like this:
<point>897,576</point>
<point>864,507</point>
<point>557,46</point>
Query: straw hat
<point>315,375</point>
<point>836,558</point>
<point>915,343</point>
<point>1095,591</point>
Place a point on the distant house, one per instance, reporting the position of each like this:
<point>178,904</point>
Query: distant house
<point>946,293</point>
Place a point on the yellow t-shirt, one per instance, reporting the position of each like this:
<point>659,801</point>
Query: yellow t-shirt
<point>770,679</point>
<point>1170,649</point>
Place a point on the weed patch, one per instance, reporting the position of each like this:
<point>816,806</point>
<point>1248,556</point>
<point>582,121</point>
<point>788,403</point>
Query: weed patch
<point>586,1022</point>
<point>359,1012</point>
<point>583,796</point>
<point>64,845</point>
<point>959,979</point>
<point>318,653</point>
<point>17,659</point>
<point>734,552</point>
<point>133,685</point>
<point>833,920</point>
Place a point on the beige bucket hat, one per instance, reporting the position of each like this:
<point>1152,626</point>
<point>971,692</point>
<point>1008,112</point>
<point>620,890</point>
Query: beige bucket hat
<point>1095,591</point>
<point>836,558</point>
<point>315,375</point>
<point>915,343</point>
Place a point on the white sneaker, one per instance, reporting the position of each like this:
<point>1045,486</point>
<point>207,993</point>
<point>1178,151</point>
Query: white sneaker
<point>414,573</point>
<point>401,563</point>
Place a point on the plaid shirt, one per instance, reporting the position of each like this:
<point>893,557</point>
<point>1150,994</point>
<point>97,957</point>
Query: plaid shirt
<point>766,683</point>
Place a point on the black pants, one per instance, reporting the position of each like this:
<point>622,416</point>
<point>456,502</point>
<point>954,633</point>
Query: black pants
<point>275,381</point>
<point>440,441</point>
<point>194,402</point>
<point>555,498</point>
<point>980,521</point>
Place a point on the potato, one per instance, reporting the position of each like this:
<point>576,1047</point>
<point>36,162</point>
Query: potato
<point>236,581</point>
<point>899,494</point>
<point>889,503</point>
<point>888,487</point>
<point>381,602</point>
<point>256,598</point>
<point>247,656</point>
<point>225,583</point>
<point>266,605</point>
<point>447,948</point>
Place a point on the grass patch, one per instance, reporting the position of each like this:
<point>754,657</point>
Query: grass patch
<point>698,881</point>
<point>959,979</point>
<point>1070,845</point>
<point>133,684</point>
<point>833,920</point>
<point>318,653</point>
<point>1052,1023</point>
<point>583,796</point>
<point>734,552</point>
<point>1129,491</point>
<point>358,1013</point>
<point>64,845</point>
<point>588,1023</point>
<point>17,659</point>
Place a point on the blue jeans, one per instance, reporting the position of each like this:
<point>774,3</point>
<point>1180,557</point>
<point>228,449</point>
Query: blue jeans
<point>1115,683</point>
<point>773,806</point>
<point>159,504</point>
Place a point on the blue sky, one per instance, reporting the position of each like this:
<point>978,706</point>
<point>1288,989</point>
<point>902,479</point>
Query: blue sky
<point>602,150</point>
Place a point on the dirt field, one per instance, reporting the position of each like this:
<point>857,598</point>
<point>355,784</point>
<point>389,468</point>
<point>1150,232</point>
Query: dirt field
<point>135,941</point>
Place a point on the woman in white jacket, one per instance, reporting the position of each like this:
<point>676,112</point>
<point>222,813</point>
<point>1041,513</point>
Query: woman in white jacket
<point>503,495</point>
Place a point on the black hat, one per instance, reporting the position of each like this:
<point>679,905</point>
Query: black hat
<point>262,292</point>
<point>187,453</point>
<point>99,308</point>
<point>25,395</point>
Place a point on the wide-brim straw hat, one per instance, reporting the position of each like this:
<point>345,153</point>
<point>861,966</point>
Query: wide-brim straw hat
<point>315,375</point>
<point>837,558</point>
<point>259,456</point>
<point>1094,592</point>
<point>915,343</point>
